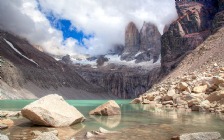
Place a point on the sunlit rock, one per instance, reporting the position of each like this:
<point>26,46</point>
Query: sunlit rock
<point>52,110</point>
<point>107,109</point>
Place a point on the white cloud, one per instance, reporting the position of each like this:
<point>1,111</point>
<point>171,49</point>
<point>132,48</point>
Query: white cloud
<point>105,19</point>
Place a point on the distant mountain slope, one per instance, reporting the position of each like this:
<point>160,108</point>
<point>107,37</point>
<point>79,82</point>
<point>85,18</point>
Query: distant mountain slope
<point>26,72</point>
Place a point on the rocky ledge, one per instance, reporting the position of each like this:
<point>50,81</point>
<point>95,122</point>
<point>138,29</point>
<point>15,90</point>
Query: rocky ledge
<point>195,91</point>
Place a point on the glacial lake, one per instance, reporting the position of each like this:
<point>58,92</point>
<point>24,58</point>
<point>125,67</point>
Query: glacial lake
<point>142,122</point>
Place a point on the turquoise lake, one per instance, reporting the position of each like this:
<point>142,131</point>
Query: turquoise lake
<point>136,122</point>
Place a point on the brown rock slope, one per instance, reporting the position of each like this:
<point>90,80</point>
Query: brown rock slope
<point>26,72</point>
<point>197,83</point>
<point>191,28</point>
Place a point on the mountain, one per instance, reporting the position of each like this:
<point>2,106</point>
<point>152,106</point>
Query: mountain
<point>128,70</point>
<point>26,72</point>
<point>141,46</point>
<point>193,26</point>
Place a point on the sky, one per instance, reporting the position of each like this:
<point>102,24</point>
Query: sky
<point>78,27</point>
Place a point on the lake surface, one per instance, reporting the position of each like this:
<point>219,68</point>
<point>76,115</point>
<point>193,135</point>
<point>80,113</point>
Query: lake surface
<point>136,122</point>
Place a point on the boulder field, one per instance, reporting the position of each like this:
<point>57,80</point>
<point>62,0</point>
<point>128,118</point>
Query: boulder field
<point>197,91</point>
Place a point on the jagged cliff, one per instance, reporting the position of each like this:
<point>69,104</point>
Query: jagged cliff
<point>191,28</point>
<point>132,42</point>
<point>122,81</point>
<point>141,46</point>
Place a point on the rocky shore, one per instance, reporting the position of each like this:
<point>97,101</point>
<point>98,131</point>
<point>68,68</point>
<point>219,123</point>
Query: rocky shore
<point>196,91</point>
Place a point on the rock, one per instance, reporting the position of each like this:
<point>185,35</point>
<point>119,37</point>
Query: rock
<point>3,137</point>
<point>205,104</point>
<point>52,110</point>
<point>193,102</point>
<point>150,97</point>
<point>167,98</point>
<point>222,68</point>
<point>201,136</point>
<point>158,99</point>
<point>215,96</point>
<point>7,122</point>
<point>102,130</point>
<point>136,101</point>
<point>146,101</point>
<point>47,136</point>
<point>186,33</point>
<point>182,86</point>
<point>3,126</point>
<point>89,135</point>
<point>101,60</point>
<point>200,89</point>
<point>171,92</point>
<point>179,101</point>
<point>132,42</point>
<point>167,102</point>
<point>66,59</point>
<point>195,108</point>
<point>53,130</point>
<point>10,113</point>
<point>150,38</point>
<point>217,80</point>
<point>35,133</point>
<point>107,109</point>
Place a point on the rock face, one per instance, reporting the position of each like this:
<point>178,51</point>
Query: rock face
<point>66,59</point>
<point>142,46</point>
<point>101,60</point>
<point>150,41</point>
<point>107,109</point>
<point>123,82</point>
<point>187,32</point>
<point>132,42</point>
<point>52,110</point>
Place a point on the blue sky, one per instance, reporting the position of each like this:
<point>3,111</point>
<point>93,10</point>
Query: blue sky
<point>64,25</point>
<point>104,21</point>
<point>67,29</point>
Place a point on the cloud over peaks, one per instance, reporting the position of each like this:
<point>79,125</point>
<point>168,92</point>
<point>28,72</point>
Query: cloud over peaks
<point>105,20</point>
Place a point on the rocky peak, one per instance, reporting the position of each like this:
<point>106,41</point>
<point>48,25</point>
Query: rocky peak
<point>132,41</point>
<point>191,28</point>
<point>143,46</point>
<point>101,60</point>
<point>149,37</point>
<point>66,59</point>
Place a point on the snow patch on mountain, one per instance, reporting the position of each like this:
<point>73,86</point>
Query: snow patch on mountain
<point>18,52</point>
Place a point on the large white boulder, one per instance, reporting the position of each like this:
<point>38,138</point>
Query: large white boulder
<point>107,109</point>
<point>52,110</point>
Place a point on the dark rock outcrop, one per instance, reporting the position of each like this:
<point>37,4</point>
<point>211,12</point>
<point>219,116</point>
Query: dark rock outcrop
<point>132,42</point>
<point>187,32</point>
<point>101,60</point>
<point>122,81</point>
<point>66,59</point>
<point>150,38</point>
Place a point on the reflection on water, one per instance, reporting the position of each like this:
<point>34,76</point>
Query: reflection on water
<point>108,121</point>
<point>135,122</point>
